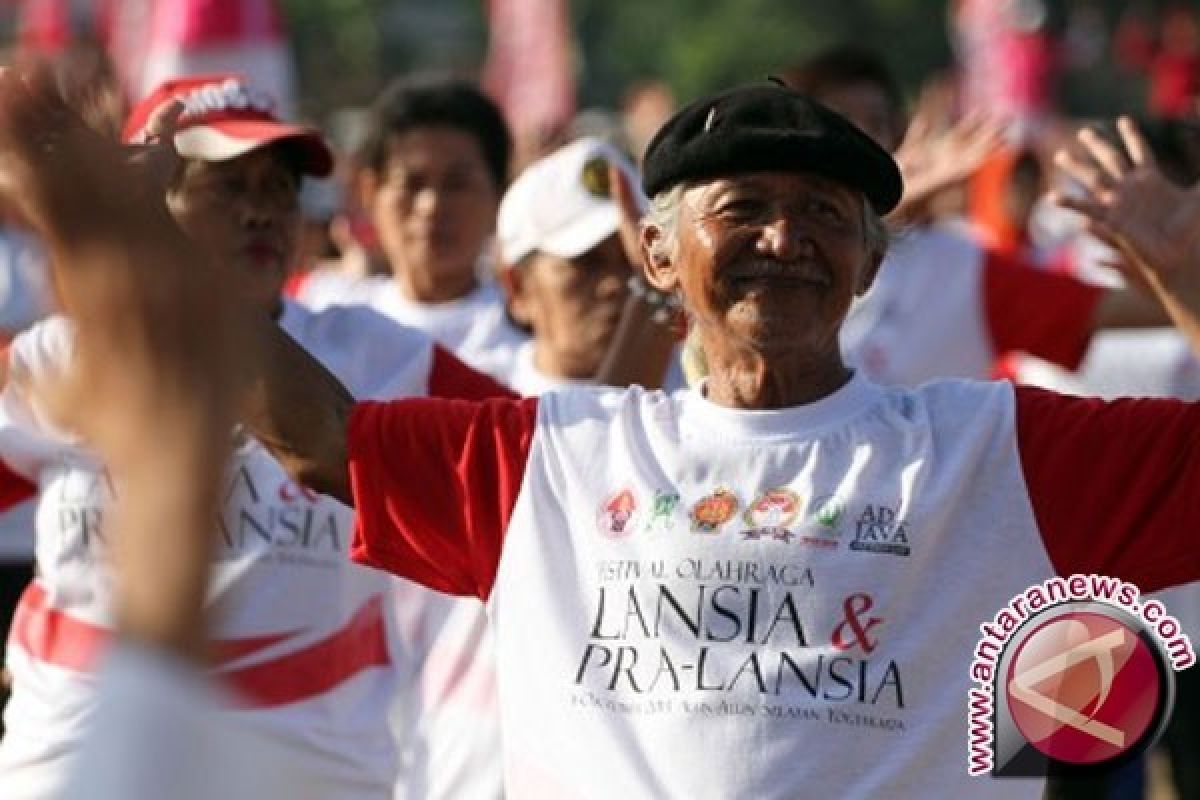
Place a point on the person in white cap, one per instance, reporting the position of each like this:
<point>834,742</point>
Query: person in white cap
<point>306,642</point>
<point>566,269</point>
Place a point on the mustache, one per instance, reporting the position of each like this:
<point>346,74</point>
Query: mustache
<point>806,271</point>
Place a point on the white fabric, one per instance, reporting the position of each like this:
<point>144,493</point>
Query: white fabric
<point>475,327</point>
<point>924,317</point>
<point>159,732</point>
<point>24,290</point>
<point>526,379</point>
<point>282,568</point>
<point>604,698</point>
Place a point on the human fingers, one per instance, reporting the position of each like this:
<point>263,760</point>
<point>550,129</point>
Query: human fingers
<point>1111,159</point>
<point>1084,171</point>
<point>1139,151</point>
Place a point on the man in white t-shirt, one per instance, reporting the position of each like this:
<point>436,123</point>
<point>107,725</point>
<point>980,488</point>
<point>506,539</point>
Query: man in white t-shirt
<point>433,166</point>
<point>568,273</point>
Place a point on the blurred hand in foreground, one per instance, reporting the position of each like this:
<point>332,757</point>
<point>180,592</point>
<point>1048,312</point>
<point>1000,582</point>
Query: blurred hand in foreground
<point>150,388</point>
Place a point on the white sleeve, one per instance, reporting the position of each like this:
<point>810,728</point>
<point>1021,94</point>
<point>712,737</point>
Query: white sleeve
<point>162,729</point>
<point>27,436</point>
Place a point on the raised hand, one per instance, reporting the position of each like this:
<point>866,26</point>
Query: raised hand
<point>1154,225</point>
<point>1128,202</point>
<point>155,347</point>
<point>938,153</point>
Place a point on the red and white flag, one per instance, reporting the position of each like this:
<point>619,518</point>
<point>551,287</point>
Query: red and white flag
<point>151,41</point>
<point>529,70</point>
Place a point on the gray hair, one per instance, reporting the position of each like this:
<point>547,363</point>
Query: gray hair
<point>664,215</point>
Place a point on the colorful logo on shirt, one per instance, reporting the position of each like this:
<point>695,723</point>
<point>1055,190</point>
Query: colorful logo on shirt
<point>662,511</point>
<point>823,522</point>
<point>615,519</point>
<point>771,514</point>
<point>712,511</point>
<point>879,529</point>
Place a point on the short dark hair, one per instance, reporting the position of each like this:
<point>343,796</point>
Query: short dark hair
<point>434,101</point>
<point>842,66</point>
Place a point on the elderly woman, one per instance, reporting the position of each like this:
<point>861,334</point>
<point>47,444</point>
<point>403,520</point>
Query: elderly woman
<point>771,586</point>
<point>309,642</point>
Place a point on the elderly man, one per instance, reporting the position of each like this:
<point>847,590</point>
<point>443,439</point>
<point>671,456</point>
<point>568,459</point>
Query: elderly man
<point>769,586</point>
<point>773,584</point>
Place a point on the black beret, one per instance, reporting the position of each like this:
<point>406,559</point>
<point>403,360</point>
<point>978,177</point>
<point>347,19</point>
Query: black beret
<point>768,128</point>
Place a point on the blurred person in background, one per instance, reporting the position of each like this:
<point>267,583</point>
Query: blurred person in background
<point>935,278</point>
<point>307,643</point>
<point>565,231</point>
<point>434,164</point>
<point>645,106</point>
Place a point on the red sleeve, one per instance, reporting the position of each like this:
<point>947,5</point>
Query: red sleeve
<point>434,484</point>
<point>1115,486</point>
<point>449,377</point>
<point>14,488</point>
<point>1033,311</point>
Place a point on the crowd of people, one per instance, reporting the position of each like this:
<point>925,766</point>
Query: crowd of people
<point>414,472</point>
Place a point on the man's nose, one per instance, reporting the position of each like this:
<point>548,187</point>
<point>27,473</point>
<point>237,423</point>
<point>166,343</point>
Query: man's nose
<point>784,238</point>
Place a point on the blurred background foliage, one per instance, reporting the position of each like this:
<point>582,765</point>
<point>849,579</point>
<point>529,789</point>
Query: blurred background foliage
<point>346,49</point>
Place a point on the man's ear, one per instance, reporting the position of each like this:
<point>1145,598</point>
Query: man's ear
<point>870,273</point>
<point>514,282</point>
<point>658,261</point>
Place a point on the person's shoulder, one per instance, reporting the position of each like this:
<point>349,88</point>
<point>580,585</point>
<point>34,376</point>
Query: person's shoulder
<point>601,403</point>
<point>940,246</point>
<point>953,402</point>
<point>358,323</point>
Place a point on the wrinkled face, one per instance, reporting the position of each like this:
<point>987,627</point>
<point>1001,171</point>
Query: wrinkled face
<point>573,305</point>
<point>769,262</point>
<point>245,211</point>
<point>434,202</point>
<point>867,106</point>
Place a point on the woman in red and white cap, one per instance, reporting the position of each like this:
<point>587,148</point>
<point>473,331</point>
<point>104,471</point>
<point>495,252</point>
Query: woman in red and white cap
<point>304,639</point>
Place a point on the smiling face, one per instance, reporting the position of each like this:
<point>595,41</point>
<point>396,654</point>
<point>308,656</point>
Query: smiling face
<point>245,211</point>
<point>767,263</point>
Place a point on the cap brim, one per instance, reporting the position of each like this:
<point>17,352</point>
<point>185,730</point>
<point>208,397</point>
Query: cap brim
<point>228,139</point>
<point>584,233</point>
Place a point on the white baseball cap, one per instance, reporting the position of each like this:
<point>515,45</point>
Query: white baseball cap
<point>562,204</point>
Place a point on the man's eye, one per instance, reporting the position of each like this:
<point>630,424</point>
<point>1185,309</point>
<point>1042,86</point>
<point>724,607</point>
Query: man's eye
<point>826,208</point>
<point>741,208</point>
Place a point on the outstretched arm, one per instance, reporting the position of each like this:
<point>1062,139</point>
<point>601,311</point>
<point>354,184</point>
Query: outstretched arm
<point>299,411</point>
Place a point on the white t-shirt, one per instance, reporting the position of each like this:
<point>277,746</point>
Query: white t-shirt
<point>943,307</point>
<point>475,327</point>
<point>306,639</point>
<point>694,601</point>
<point>161,731</point>
<point>524,377</point>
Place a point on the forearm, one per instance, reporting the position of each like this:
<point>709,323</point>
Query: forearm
<point>640,351</point>
<point>300,411</point>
